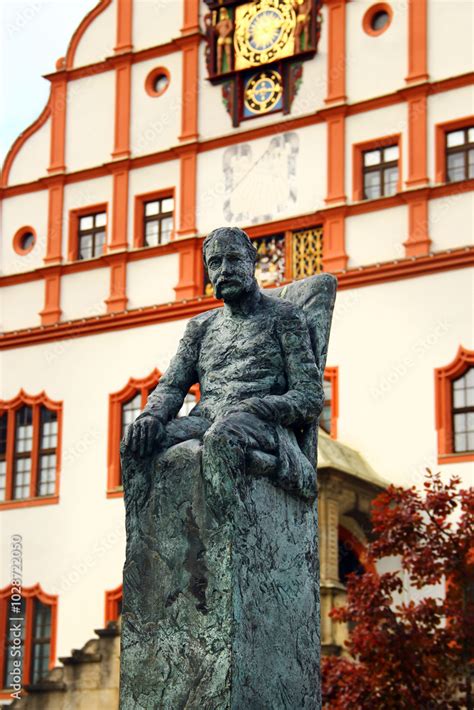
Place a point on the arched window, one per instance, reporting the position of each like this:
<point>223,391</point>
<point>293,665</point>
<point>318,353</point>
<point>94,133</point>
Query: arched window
<point>113,604</point>
<point>352,555</point>
<point>30,439</point>
<point>454,397</point>
<point>124,407</point>
<point>27,621</point>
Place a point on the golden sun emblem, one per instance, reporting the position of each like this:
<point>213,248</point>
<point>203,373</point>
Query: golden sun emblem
<point>264,32</point>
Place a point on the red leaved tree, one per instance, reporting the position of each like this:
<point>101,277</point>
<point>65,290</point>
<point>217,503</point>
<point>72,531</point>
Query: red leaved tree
<point>417,655</point>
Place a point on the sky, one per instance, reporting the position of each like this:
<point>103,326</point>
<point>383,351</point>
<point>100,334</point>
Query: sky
<point>33,35</point>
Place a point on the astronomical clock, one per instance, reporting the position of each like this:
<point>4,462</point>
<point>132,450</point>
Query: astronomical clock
<point>256,50</point>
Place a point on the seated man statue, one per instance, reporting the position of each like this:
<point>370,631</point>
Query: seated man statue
<point>257,373</point>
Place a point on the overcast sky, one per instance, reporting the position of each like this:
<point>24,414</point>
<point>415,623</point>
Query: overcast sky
<point>33,34</point>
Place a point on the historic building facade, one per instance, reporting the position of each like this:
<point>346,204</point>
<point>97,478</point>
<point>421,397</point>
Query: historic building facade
<point>341,137</point>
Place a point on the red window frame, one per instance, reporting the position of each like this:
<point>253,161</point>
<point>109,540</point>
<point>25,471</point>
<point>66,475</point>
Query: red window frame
<point>29,595</point>
<point>73,239</point>
<point>444,377</point>
<point>113,602</point>
<point>10,408</point>
<point>140,201</point>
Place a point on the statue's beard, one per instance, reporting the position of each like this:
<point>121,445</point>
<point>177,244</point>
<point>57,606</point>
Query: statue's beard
<point>234,288</point>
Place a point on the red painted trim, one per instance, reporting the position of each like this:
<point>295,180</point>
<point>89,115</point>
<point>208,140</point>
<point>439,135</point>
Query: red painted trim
<point>331,374</point>
<point>16,242</point>
<point>336,76</point>
<point>369,15</point>
<point>357,161</point>
<point>441,129</point>
<point>58,104</point>
<point>352,278</point>
<point>191,271</point>
<point>138,236</point>
<point>417,138</point>
<point>80,31</point>
<point>124,26</point>
<point>443,377</point>
<point>117,300</point>
<point>190,17</point>
<point>417,41</point>
<point>21,140</point>
<point>116,400</point>
<point>334,248</point>
<point>336,141</point>
<point>188,173</point>
<point>29,594</point>
<point>113,598</point>
<point>74,215</point>
<point>51,312</point>
<point>123,87</point>
<point>11,406</point>
<point>55,221</point>
<point>418,242</point>
<point>151,78</point>
<point>190,88</point>
<point>119,209</point>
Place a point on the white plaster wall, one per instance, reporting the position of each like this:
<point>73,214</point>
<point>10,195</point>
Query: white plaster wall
<point>262,190</point>
<point>31,210</point>
<point>375,65</point>
<point>387,340</point>
<point>154,177</point>
<point>376,236</point>
<point>32,161</point>
<point>82,194</point>
<point>451,221</point>
<point>90,121</point>
<point>83,294</point>
<point>450,38</point>
<point>99,39</point>
<point>313,89</point>
<point>447,106</point>
<point>79,552</point>
<point>156,22</point>
<point>375,124</point>
<point>21,304</point>
<point>152,281</point>
<point>156,120</point>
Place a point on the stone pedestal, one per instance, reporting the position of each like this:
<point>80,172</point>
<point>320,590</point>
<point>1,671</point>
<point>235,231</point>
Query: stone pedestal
<point>219,611</point>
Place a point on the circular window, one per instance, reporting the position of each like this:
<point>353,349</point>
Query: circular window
<point>157,81</point>
<point>377,19</point>
<point>24,240</point>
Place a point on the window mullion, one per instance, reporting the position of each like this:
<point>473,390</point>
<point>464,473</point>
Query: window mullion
<point>10,454</point>
<point>35,450</point>
<point>27,648</point>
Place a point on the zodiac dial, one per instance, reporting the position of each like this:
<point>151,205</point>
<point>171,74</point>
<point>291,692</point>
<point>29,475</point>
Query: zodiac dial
<point>264,32</point>
<point>262,92</point>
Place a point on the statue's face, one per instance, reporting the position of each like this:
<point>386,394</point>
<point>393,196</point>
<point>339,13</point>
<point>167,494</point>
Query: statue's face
<point>230,268</point>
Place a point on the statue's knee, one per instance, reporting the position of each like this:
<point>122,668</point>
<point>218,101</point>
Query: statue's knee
<point>222,434</point>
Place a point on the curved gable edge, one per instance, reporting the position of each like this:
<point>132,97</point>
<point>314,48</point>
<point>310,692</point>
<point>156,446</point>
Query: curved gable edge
<point>80,31</point>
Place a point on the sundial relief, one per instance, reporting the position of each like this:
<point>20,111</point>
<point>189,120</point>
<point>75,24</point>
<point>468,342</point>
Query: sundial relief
<point>256,50</point>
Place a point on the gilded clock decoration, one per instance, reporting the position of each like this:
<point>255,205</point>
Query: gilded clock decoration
<point>263,91</point>
<point>264,32</point>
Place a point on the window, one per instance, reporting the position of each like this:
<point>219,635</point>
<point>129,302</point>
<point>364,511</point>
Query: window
<point>352,555</point>
<point>377,19</point>
<point>376,168</point>
<point>380,169</point>
<point>454,150</point>
<point>24,240</point>
<point>154,218</point>
<point>29,450</point>
<point>463,411</point>
<point>328,419</point>
<point>460,154</point>
<point>124,407</point>
<point>157,81</point>
<point>91,235</point>
<point>37,615</point>
<point>454,396</point>
<point>87,232</point>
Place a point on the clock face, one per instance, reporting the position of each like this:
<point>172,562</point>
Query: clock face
<point>263,93</point>
<point>264,32</point>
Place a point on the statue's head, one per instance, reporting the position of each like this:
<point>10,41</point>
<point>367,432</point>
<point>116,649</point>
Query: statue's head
<point>230,256</point>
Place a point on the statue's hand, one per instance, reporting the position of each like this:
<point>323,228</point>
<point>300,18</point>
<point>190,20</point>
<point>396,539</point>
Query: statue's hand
<point>252,405</point>
<point>143,435</point>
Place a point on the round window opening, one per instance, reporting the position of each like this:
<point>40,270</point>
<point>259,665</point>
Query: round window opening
<point>24,240</point>
<point>157,81</point>
<point>379,20</point>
